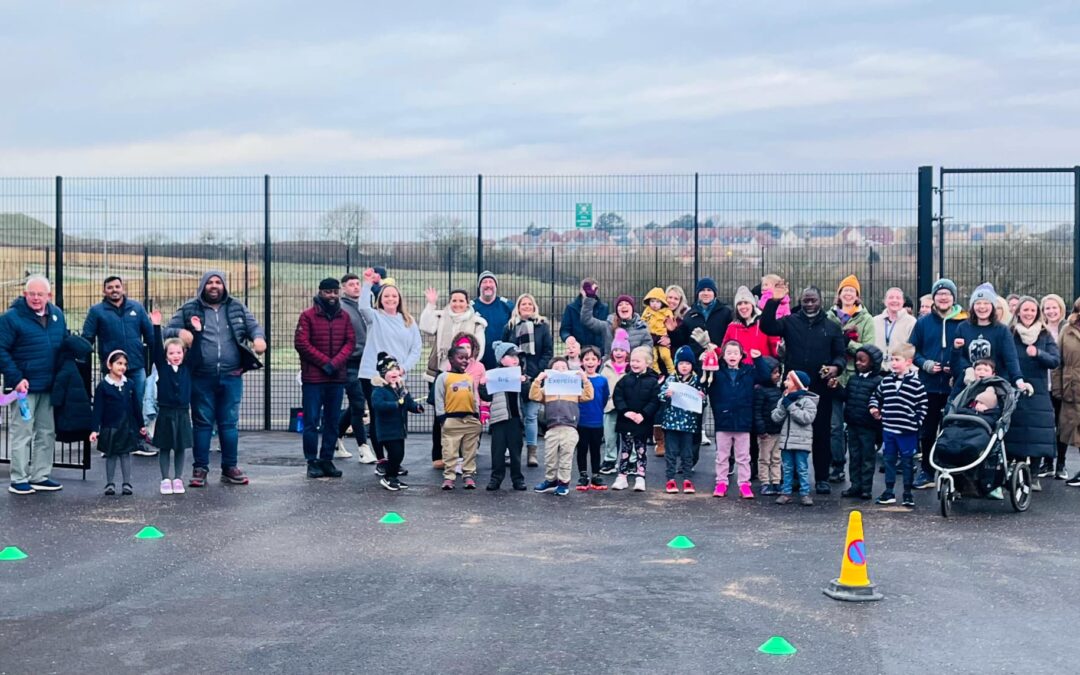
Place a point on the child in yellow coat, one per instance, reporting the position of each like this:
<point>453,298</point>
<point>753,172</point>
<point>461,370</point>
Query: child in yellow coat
<point>656,316</point>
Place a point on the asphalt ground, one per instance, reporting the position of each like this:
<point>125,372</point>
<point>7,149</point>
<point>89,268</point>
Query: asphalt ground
<point>296,575</point>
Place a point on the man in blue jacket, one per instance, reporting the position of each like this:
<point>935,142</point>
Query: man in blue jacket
<point>496,311</point>
<point>225,326</point>
<point>118,322</point>
<point>571,319</point>
<point>933,337</point>
<point>31,332</point>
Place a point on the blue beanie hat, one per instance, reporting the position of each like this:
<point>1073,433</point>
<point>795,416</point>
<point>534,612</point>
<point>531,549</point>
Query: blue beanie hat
<point>946,284</point>
<point>803,378</point>
<point>984,292</point>
<point>706,282</point>
<point>684,353</point>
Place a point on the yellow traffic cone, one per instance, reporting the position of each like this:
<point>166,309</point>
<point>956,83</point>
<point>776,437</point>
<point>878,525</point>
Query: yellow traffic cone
<point>854,582</point>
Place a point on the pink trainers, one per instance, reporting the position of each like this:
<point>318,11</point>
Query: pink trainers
<point>177,486</point>
<point>671,487</point>
<point>688,487</point>
<point>721,490</point>
<point>745,491</point>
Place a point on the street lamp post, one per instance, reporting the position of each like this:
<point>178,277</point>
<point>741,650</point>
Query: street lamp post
<point>104,229</point>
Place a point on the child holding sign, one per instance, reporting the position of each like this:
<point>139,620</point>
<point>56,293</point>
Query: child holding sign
<point>680,424</point>
<point>506,425</point>
<point>637,398</point>
<point>562,414</point>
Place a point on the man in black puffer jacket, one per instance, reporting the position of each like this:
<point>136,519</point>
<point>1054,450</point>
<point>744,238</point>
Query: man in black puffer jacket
<point>816,346</point>
<point>863,430</point>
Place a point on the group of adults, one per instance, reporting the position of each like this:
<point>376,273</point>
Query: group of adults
<point>34,337</point>
<point>1035,344</point>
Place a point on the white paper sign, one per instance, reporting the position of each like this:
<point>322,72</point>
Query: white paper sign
<point>504,379</point>
<point>686,397</point>
<point>562,383</point>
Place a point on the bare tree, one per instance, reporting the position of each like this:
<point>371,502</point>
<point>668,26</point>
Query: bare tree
<point>347,223</point>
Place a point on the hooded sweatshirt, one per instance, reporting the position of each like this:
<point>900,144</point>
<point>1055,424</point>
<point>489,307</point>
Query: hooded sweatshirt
<point>388,334</point>
<point>223,328</point>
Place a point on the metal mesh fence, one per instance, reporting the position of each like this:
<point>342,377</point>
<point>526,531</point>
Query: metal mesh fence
<point>1013,229</point>
<point>539,234</point>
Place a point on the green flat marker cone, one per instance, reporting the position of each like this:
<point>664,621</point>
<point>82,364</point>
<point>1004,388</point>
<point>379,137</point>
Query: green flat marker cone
<point>150,532</point>
<point>777,646</point>
<point>392,519</point>
<point>681,542</point>
<point>12,553</point>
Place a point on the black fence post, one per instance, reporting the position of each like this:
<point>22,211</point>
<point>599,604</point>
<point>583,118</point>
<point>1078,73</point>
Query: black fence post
<point>58,282</point>
<point>870,296</point>
<point>479,224</point>
<point>247,283</point>
<point>146,275</point>
<point>267,300</point>
<point>924,254</point>
<point>697,250</point>
<point>48,260</point>
<point>348,259</point>
<point>552,313</point>
<point>1076,232</point>
<point>449,271</point>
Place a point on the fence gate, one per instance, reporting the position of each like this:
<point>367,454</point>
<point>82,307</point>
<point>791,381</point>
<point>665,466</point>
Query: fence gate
<point>1017,228</point>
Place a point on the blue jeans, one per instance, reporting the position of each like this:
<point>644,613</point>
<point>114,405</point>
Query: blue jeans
<point>792,461</point>
<point>680,445</point>
<point>137,378</point>
<point>322,404</point>
<point>903,445</point>
<point>215,401</point>
<point>530,410</point>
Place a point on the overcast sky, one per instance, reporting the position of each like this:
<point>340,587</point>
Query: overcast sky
<point>231,87</point>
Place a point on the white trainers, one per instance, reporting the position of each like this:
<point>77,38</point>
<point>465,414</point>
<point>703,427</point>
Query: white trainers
<point>639,484</point>
<point>620,483</point>
<point>166,487</point>
<point>341,452</point>
<point>177,486</point>
<point>367,456</point>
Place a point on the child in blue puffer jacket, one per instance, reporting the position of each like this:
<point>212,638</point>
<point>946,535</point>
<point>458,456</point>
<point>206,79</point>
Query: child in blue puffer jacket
<point>731,398</point>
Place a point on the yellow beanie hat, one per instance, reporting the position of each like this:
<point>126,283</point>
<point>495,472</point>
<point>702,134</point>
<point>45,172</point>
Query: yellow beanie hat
<point>850,280</point>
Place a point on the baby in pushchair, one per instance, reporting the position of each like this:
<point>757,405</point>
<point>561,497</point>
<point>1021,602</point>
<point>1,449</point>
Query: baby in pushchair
<point>975,421</point>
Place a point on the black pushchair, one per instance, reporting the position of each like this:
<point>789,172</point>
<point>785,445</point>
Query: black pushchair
<point>969,451</point>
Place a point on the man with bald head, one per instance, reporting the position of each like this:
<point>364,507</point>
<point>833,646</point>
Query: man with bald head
<point>31,332</point>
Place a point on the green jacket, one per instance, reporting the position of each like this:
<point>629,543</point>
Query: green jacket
<point>859,329</point>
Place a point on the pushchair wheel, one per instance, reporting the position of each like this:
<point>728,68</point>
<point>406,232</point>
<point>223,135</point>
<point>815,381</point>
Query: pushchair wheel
<point>945,497</point>
<point>1020,486</point>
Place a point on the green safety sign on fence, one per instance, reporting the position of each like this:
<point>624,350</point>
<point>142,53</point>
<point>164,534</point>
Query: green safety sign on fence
<point>583,216</point>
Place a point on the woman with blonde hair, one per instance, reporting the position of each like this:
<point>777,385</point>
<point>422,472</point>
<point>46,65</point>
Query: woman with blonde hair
<point>530,332</point>
<point>390,329</point>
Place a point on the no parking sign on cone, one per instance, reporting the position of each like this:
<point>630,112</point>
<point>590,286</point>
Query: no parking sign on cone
<point>854,582</point>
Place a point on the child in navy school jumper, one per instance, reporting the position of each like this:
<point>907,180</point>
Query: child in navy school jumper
<point>680,426</point>
<point>172,428</point>
<point>591,423</point>
<point>117,421</point>
<point>900,403</point>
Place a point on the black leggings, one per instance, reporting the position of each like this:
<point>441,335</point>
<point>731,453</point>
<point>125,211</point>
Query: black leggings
<point>353,415</point>
<point>589,443</point>
<point>1061,447</point>
<point>395,454</point>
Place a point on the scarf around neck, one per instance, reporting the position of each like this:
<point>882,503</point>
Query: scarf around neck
<point>1029,334</point>
<point>523,336</point>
